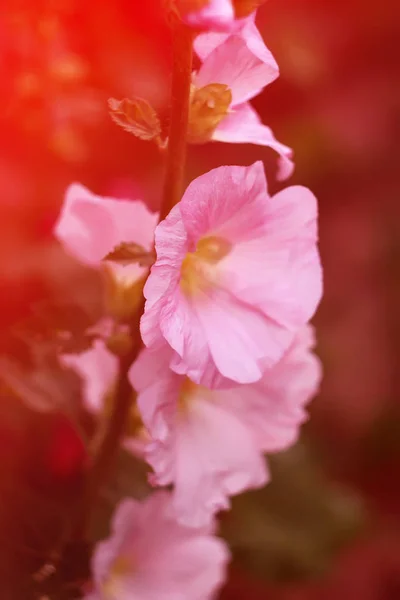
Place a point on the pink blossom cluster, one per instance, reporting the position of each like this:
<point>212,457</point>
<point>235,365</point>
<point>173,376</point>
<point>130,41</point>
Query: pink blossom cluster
<point>227,367</point>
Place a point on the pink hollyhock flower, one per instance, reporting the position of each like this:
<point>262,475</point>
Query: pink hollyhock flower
<point>98,369</point>
<point>150,556</point>
<point>207,14</point>
<point>241,66</point>
<point>209,443</point>
<point>217,15</point>
<point>91,226</point>
<point>237,275</point>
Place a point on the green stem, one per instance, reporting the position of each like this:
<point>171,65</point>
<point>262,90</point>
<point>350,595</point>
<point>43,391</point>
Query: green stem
<point>182,44</point>
<point>107,442</point>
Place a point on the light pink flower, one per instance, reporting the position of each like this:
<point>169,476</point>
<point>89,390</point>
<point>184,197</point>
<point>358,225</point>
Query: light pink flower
<point>237,275</point>
<point>242,62</point>
<point>215,14</point>
<point>150,556</point>
<point>98,369</point>
<point>209,444</point>
<point>91,226</point>
<point>218,15</point>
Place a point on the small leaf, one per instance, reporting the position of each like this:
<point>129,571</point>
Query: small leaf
<point>129,252</point>
<point>136,116</point>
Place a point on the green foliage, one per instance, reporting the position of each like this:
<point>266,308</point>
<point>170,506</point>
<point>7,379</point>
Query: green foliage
<point>292,528</point>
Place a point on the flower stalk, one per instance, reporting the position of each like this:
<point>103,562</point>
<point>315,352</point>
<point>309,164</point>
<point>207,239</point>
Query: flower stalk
<point>182,47</point>
<point>107,441</point>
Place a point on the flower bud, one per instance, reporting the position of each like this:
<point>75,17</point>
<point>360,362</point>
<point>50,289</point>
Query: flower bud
<point>122,296</point>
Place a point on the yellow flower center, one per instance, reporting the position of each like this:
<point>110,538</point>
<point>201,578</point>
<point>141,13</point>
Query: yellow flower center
<point>198,268</point>
<point>121,567</point>
<point>208,107</point>
<point>187,391</point>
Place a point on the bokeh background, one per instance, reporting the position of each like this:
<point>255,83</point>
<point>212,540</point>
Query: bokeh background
<point>329,525</point>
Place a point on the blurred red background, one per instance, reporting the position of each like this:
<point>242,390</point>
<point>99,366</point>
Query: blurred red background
<point>337,103</point>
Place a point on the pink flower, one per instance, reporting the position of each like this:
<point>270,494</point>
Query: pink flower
<point>217,15</point>
<point>91,226</point>
<point>243,63</point>
<point>150,556</point>
<point>212,14</point>
<point>209,444</point>
<point>237,275</point>
<point>98,369</point>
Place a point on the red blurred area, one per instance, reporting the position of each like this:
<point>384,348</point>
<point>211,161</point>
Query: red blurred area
<point>336,103</point>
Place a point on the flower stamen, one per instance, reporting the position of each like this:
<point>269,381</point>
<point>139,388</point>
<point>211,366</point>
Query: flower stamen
<point>198,268</point>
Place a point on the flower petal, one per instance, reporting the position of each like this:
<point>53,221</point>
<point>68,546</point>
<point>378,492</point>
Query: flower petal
<point>242,62</point>
<point>222,200</point>
<point>183,331</point>
<point>217,14</point>
<point>243,126</point>
<point>157,387</point>
<point>98,368</point>
<point>280,272</point>
<point>161,559</point>
<point>240,338</point>
<point>209,456</point>
<point>274,407</point>
<point>90,226</point>
<point>171,247</point>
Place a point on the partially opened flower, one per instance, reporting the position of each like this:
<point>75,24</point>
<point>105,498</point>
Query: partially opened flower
<point>150,556</point>
<point>210,443</point>
<point>235,69</point>
<point>216,14</point>
<point>98,369</point>
<point>213,14</point>
<point>237,275</point>
<point>90,227</point>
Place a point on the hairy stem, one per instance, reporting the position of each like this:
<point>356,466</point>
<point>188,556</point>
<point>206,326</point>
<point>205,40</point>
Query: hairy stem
<point>182,42</point>
<point>106,443</point>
